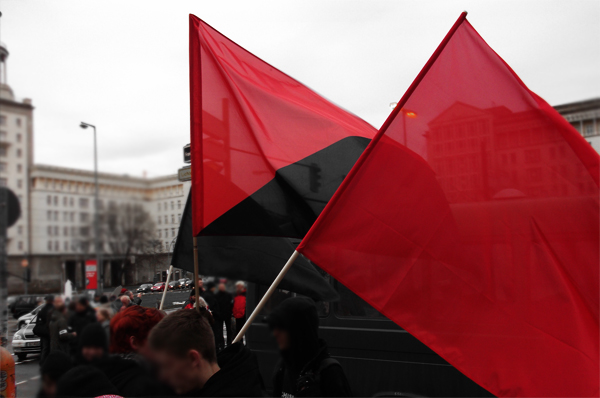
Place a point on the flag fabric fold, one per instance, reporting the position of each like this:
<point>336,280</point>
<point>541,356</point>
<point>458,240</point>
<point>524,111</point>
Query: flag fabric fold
<point>267,152</point>
<point>475,213</point>
<point>255,259</point>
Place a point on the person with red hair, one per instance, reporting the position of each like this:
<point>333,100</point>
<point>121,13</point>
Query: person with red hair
<point>129,329</point>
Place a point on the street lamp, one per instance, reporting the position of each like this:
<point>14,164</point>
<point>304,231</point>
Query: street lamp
<point>99,264</point>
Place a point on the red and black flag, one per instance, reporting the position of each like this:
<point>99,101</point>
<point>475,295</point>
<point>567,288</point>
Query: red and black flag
<point>267,152</point>
<point>267,155</point>
<point>471,221</point>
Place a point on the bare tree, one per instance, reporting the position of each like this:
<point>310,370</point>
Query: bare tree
<point>125,230</point>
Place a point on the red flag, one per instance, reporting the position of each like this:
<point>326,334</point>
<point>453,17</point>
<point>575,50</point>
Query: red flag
<point>471,220</point>
<point>283,148</point>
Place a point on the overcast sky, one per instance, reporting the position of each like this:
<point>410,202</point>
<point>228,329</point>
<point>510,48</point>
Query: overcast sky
<point>123,65</point>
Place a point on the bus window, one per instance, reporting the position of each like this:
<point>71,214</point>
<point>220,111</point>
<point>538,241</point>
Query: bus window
<point>352,306</point>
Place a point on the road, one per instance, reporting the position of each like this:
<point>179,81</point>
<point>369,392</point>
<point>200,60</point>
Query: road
<point>28,371</point>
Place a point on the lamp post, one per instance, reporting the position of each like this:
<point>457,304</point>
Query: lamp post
<point>99,265</point>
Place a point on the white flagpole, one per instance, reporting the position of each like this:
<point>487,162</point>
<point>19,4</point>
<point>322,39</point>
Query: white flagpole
<point>266,297</point>
<point>162,301</point>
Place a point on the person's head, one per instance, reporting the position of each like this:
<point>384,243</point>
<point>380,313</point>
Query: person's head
<point>49,299</point>
<point>210,286</point>
<point>129,329</point>
<point>125,301</point>
<point>183,347</point>
<point>139,295</point>
<point>240,287</point>
<point>103,299</point>
<point>130,294</point>
<point>295,326</point>
<point>200,283</point>
<point>103,314</point>
<point>93,342</point>
<point>82,304</point>
<point>56,364</point>
<point>97,298</point>
<point>222,287</point>
<point>59,304</point>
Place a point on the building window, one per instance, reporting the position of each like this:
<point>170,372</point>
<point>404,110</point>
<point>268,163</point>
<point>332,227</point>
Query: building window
<point>71,203</point>
<point>57,246</point>
<point>2,120</point>
<point>172,232</point>
<point>56,231</point>
<point>159,233</point>
<point>66,231</point>
<point>19,183</point>
<point>179,218</point>
<point>49,199</point>
<point>3,182</point>
<point>3,135</point>
<point>50,245</point>
<point>73,231</point>
<point>50,230</point>
<point>84,217</point>
<point>166,232</point>
<point>3,151</point>
<point>158,206</point>
<point>49,215</point>
<point>172,206</point>
<point>65,200</point>
<point>588,130</point>
<point>56,201</point>
<point>166,219</point>
<point>84,231</point>
<point>20,245</point>
<point>65,216</point>
<point>55,216</point>
<point>3,166</point>
<point>19,138</point>
<point>159,220</point>
<point>18,122</point>
<point>84,203</point>
<point>19,152</point>
<point>172,218</point>
<point>179,205</point>
<point>19,168</point>
<point>20,229</point>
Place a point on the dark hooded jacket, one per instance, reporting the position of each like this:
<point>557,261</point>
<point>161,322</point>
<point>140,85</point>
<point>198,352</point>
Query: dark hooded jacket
<point>308,356</point>
<point>239,375</point>
<point>60,334</point>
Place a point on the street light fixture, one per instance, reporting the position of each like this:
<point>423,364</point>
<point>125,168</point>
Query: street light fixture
<point>99,265</point>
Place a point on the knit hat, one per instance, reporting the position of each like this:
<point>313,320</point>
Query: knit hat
<point>93,335</point>
<point>122,291</point>
<point>85,381</point>
<point>56,364</point>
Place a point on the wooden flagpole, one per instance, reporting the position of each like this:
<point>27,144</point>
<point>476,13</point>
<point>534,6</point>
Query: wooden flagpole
<point>162,301</point>
<point>196,276</point>
<point>266,297</point>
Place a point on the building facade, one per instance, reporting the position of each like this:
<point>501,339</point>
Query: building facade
<point>584,116</point>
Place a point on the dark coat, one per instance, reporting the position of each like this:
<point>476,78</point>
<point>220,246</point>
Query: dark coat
<point>42,323</point>
<point>60,335</point>
<point>77,322</point>
<point>239,375</point>
<point>213,304</point>
<point>225,300</point>
<point>306,354</point>
<point>131,378</point>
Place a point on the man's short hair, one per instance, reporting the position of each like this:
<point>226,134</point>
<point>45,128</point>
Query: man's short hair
<point>182,331</point>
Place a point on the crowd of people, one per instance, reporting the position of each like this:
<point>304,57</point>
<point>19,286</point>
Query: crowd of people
<point>118,347</point>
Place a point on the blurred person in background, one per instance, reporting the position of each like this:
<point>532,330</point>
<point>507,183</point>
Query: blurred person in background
<point>213,306</point>
<point>56,365</point>
<point>125,302</point>
<point>306,369</point>
<point>83,316</point>
<point>129,330</point>
<point>61,337</point>
<point>42,327</point>
<point>103,316</point>
<point>225,301</point>
<point>239,306</point>
<point>93,344</point>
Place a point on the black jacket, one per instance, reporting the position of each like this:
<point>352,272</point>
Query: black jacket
<point>239,375</point>
<point>307,355</point>
<point>60,335</point>
<point>225,300</point>
<point>42,323</point>
<point>213,304</point>
<point>77,322</point>
<point>131,378</point>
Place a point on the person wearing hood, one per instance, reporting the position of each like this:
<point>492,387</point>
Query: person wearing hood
<point>83,316</point>
<point>183,346</point>
<point>127,375</point>
<point>306,369</point>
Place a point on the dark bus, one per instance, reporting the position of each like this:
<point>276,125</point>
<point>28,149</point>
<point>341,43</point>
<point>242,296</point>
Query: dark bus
<point>378,356</point>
